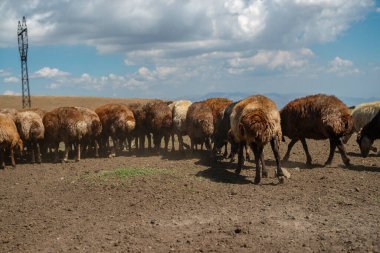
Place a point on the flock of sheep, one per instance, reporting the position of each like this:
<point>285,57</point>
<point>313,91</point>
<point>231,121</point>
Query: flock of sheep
<point>216,122</point>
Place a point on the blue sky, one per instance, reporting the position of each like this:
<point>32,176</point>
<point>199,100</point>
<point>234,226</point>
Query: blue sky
<point>171,49</point>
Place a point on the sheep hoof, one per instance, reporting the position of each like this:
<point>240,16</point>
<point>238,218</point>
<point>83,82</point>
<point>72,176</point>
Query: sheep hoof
<point>286,158</point>
<point>347,163</point>
<point>257,180</point>
<point>281,179</point>
<point>265,174</point>
<point>237,171</point>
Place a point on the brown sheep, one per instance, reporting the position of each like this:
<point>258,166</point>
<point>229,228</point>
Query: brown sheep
<point>31,129</point>
<point>159,122</point>
<point>9,139</point>
<point>117,122</point>
<point>200,126</point>
<point>140,130</point>
<point>218,106</point>
<point>256,121</point>
<point>66,124</point>
<point>94,129</point>
<point>317,117</point>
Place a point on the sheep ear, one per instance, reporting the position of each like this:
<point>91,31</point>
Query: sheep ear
<point>241,129</point>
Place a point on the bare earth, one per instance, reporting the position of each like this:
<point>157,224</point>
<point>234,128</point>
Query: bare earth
<point>189,204</point>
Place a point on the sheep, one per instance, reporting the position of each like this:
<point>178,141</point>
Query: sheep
<point>65,124</point>
<point>179,110</point>
<point>256,121</point>
<point>11,112</point>
<point>159,122</point>
<point>94,128</point>
<point>199,122</point>
<point>362,114</point>
<point>368,134</point>
<point>9,139</point>
<point>51,137</point>
<point>140,130</point>
<point>317,117</point>
<point>31,129</point>
<point>36,110</point>
<point>118,122</point>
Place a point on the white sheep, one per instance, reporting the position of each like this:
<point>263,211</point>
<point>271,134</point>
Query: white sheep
<point>31,129</point>
<point>179,110</point>
<point>363,114</point>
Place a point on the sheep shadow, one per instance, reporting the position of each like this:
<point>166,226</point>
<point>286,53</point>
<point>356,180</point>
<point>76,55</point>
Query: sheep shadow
<point>222,172</point>
<point>360,167</point>
<point>359,155</point>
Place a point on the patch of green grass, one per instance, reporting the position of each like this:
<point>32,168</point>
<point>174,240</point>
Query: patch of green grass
<point>123,173</point>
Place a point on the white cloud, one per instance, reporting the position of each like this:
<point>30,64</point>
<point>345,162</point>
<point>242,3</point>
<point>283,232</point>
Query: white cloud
<point>378,10</point>
<point>47,72</point>
<point>178,28</point>
<point>273,60</point>
<point>11,93</point>
<point>342,67</point>
<point>11,79</point>
<point>4,73</point>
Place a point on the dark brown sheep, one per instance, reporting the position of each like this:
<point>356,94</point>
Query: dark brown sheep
<point>66,124</point>
<point>256,121</point>
<point>118,122</point>
<point>200,126</point>
<point>368,135</point>
<point>159,122</point>
<point>140,130</point>
<point>317,117</point>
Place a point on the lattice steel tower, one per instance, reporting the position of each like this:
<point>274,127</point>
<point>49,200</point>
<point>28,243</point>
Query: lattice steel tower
<point>22,34</point>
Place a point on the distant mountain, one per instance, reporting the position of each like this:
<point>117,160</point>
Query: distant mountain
<point>280,99</point>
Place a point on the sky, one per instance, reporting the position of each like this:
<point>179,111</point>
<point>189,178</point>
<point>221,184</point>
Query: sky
<point>170,49</point>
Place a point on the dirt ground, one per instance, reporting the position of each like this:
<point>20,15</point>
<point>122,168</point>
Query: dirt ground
<point>186,203</point>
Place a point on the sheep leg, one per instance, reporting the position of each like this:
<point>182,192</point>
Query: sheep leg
<point>173,148</point>
<point>12,157</point>
<point>142,142</point>
<point>78,152</point>
<point>208,144</point>
<point>225,154</point>
<point>166,140</point>
<point>56,150</point>
<point>2,155</point>
<point>96,145</point>
<point>290,146</point>
<point>38,152</point>
<point>332,149</point>
<point>240,157</point>
<point>66,154</point>
<point>276,151</point>
<point>31,149</point>
<point>247,152</point>
<point>265,169</point>
<point>115,145</point>
<point>234,150</point>
<point>149,140</point>
<point>308,156</point>
<point>257,151</point>
<point>343,153</point>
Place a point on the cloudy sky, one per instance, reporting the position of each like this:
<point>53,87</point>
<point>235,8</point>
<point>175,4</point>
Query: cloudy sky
<point>171,49</point>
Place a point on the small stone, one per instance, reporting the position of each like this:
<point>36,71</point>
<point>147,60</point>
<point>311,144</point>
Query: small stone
<point>357,189</point>
<point>286,173</point>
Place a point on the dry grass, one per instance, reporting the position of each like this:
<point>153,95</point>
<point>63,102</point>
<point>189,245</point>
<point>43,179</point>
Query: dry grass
<point>50,102</point>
